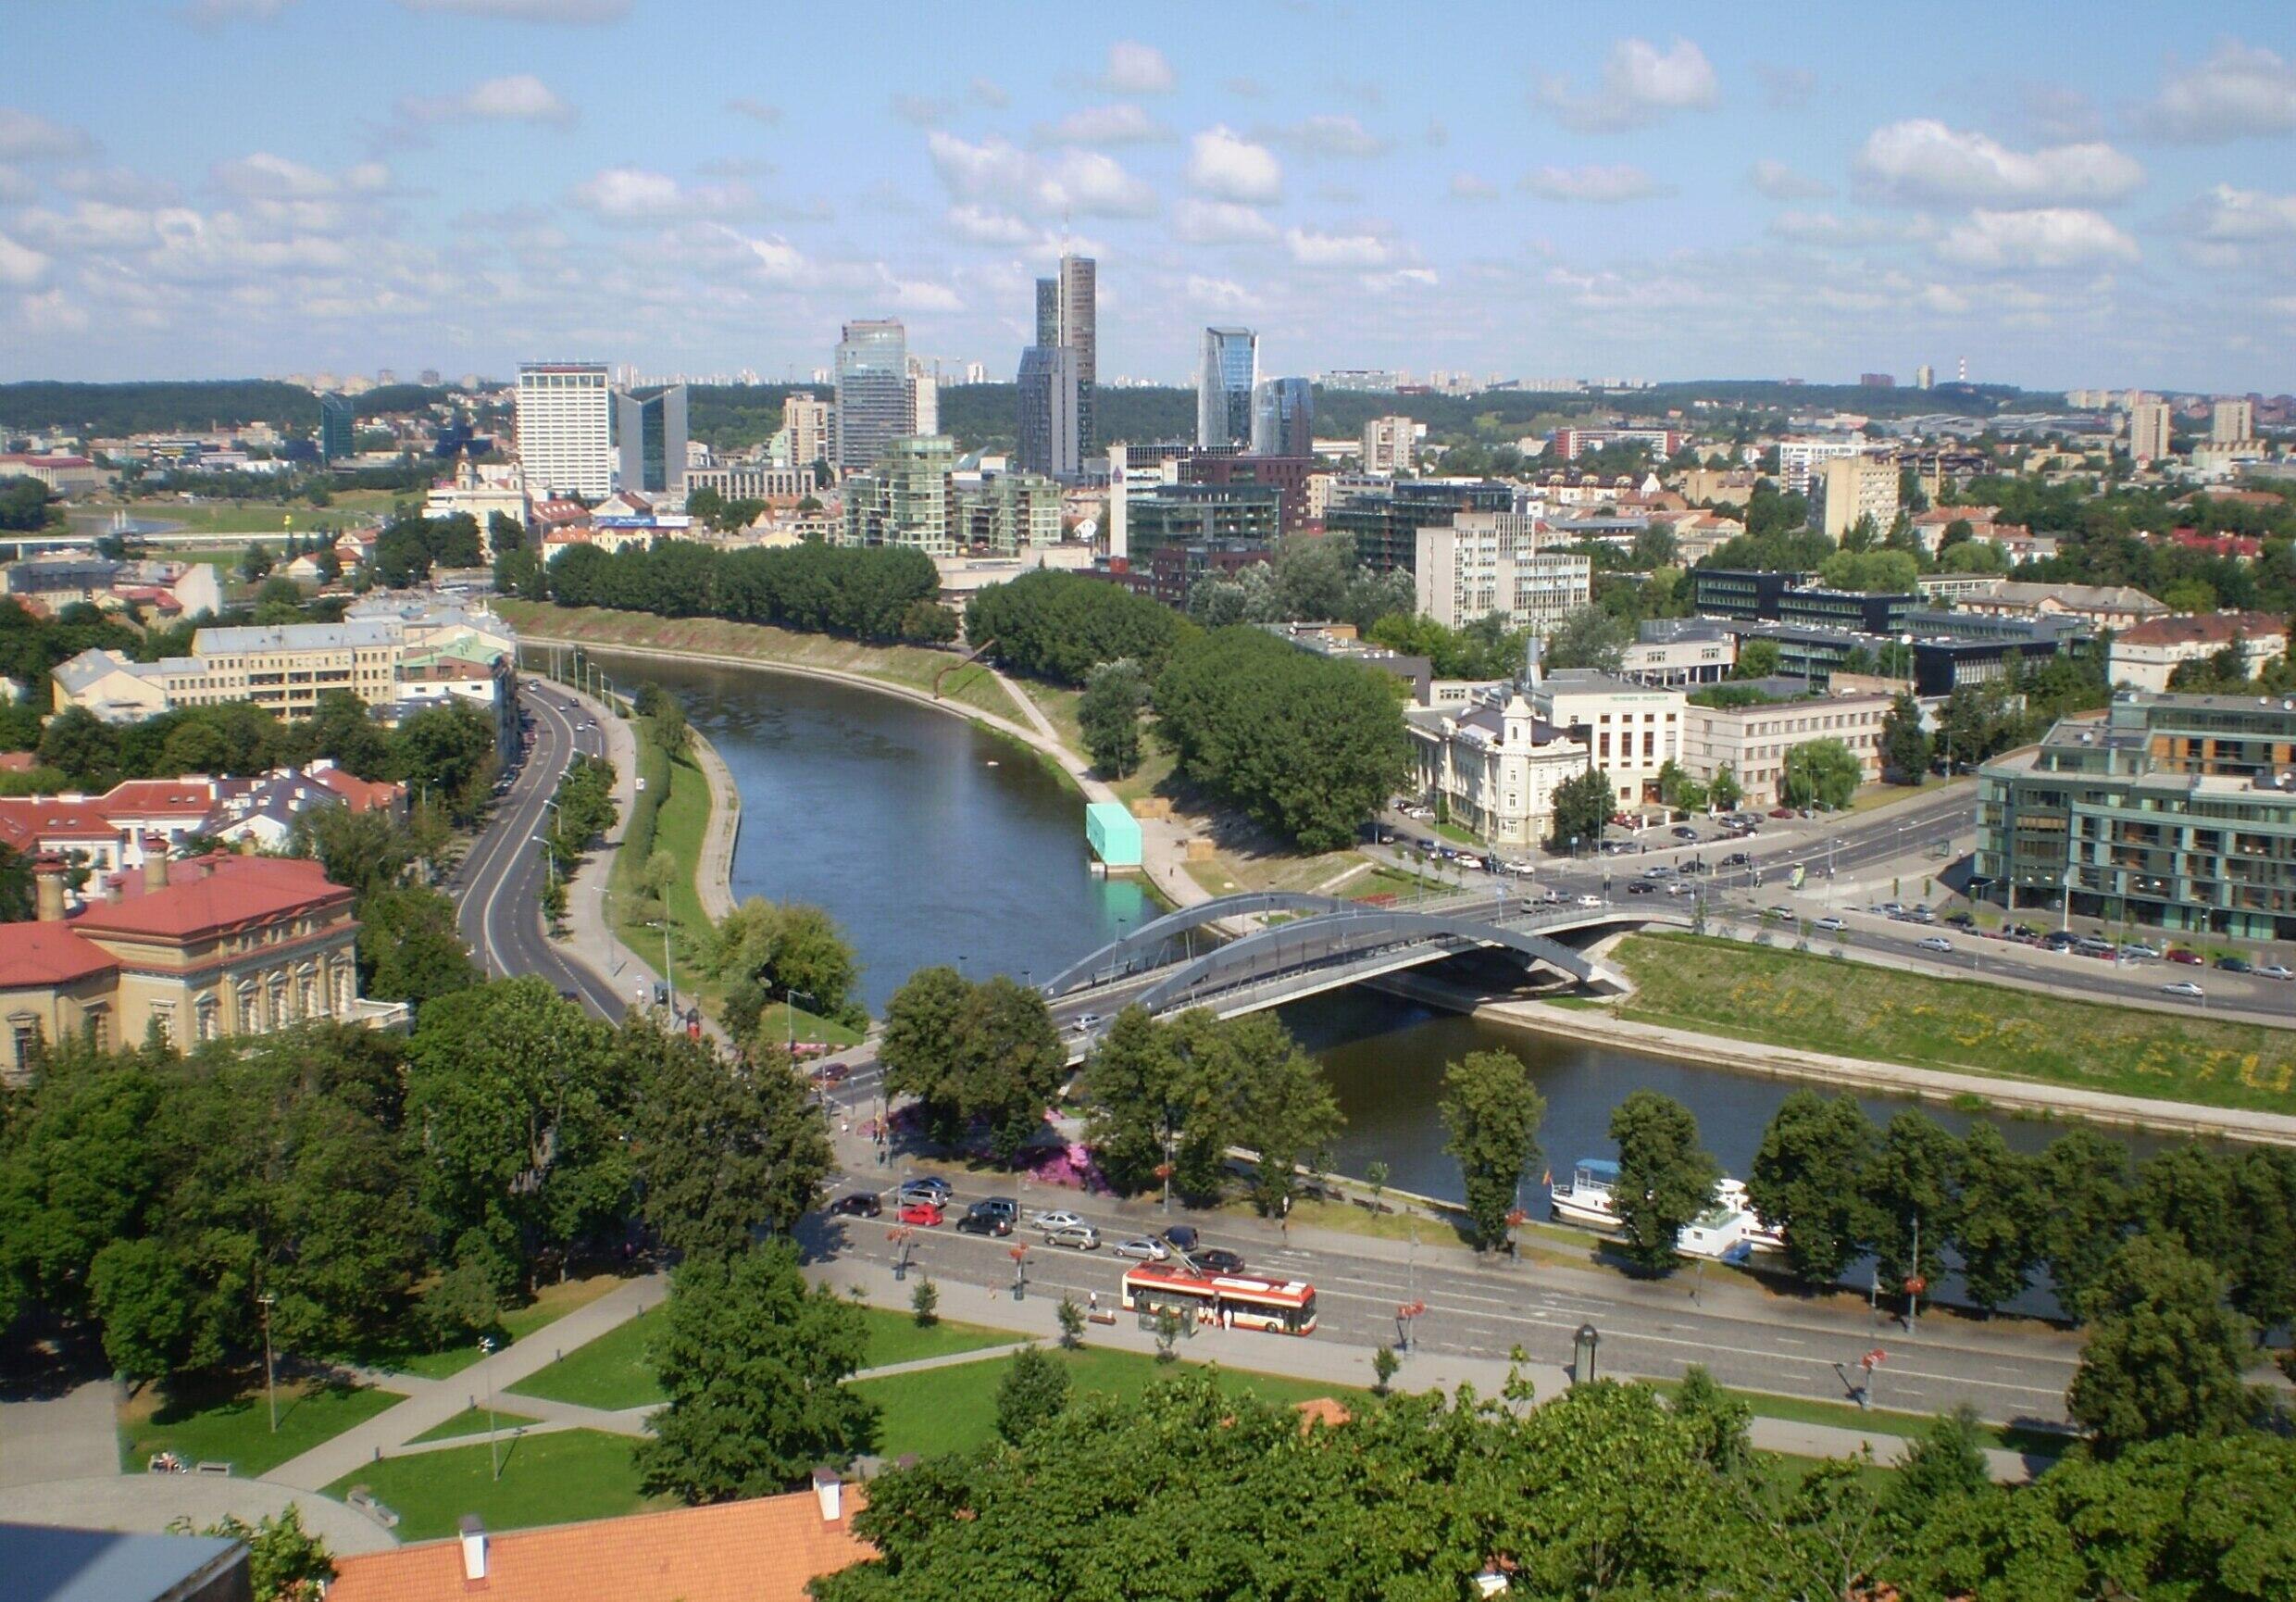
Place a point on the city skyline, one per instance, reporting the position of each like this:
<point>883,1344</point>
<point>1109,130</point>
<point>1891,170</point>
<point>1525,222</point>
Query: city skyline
<point>465,184</point>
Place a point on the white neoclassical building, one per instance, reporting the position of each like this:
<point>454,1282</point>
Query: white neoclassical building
<point>1495,766</point>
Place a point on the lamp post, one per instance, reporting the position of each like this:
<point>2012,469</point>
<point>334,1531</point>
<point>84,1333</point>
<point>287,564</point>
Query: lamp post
<point>493,1446</point>
<point>1020,1272</point>
<point>270,1386</point>
<point>1582,1354</point>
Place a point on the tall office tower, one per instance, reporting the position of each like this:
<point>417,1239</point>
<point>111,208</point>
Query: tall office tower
<point>924,398</point>
<point>650,440</point>
<point>2232,423</point>
<point>338,427</point>
<point>2149,431</point>
<point>1389,444</point>
<point>1080,330</point>
<point>811,425</point>
<point>1048,411</point>
<point>1925,376</point>
<point>1283,417</point>
<point>1225,374</point>
<point>874,401</point>
<point>1048,311</point>
<point>565,429</point>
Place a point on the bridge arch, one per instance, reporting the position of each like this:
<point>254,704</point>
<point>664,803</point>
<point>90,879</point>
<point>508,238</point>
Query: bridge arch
<point>1122,955</point>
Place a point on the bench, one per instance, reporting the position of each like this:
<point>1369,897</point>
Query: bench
<point>1106,1316</point>
<point>367,1503</point>
<point>213,1467</point>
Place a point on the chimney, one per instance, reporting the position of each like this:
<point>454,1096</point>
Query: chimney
<point>154,863</point>
<point>829,1490</point>
<point>473,1548</point>
<point>48,888</point>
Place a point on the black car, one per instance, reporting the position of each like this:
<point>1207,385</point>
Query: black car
<point>1684,832</point>
<point>976,1222</point>
<point>1183,1237</point>
<point>2236,965</point>
<point>857,1204</point>
<point>1961,921</point>
<point>1738,859</point>
<point>1215,1260</point>
<point>1642,887</point>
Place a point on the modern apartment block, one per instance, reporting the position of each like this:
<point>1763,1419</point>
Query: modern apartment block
<point>905,500</point>
<point>1798,459</point>
<point>566,429</point>
<point>1384,518</point>
<point>2176,810</point>
<point>1007,513</point>
<point>1049,398</point>
<point>2232,423</point>
<point>1484,562</point>
<point>1390,445</point>
<point>1848,490</point>
<point>1193,514</point>
<point>2151,426</point>
<point>1227,371</point>
<point>875,404</point>
<point>650,440</point>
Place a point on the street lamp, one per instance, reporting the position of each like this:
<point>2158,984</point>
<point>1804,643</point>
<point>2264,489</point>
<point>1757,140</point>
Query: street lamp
<point>270,1387</point>
<point>493,1446</point>
<point>1582,1354</point>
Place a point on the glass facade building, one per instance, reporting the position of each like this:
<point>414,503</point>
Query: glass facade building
<point>338,427</point>
<point>1227,370</point>
<point>874,401</point>
<point>650,440</point>
<point>1048,399</point>
<point>1283,417</point>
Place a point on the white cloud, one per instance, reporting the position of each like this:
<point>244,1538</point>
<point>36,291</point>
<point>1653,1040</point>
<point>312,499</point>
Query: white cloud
<point>1221,294</point>
<point>2240,90</point>
<point>1826,227</point>
<point>518,97</point>
<point>1640,85</point>
<point>916,294</point>
<point>208,15</point>
<point>1922,161</point>
<point>1137,69</point>
<point>1600,185</point>
<point>25,136</point>
<point>1227,166</point>
<point>1402,277</point>
<point>2046,237</point>
<point>581,12</point>
<point>1314,249</point>
<point>20,265</point>
<point>997,170</point>
<point>53,313</point>
<point>1780,182</point>
<point>1120,122</point>
<point>269,177</point>
<point>777,260</point>
<point>756,110</point>
<point>1468,186</point>
<point>990,93</point>
<point>1219,222</point>
<point>923,110</point>
<point>636,194</point>
<point>2232,216</point>
<point>1327,135</point>
<point>983,225</point>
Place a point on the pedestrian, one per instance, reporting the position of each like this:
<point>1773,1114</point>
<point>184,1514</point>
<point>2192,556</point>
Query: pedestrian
<point>1093,1305</point>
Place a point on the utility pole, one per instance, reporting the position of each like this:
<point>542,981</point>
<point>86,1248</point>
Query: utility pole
<point>270,1386</point>
<point>493,1446</point>
<point>1912,1297</point>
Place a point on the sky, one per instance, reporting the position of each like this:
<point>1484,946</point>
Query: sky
<point>2061,194</point>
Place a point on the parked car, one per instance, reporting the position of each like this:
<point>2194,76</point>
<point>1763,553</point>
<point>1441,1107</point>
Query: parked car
<point>1830,925</point>
<point>2137,951</point>
<point>976,1222</point>
<point>1781,811</point>
<point>1589,900</point>
<point>2275,970</point>
<point>1961,921</point>
<point>1470,861</point>
<point>2187,958</point>
<point>1684,832</point>
<point>2236,965</point>
<point>1057,1218</point>
<point>924,1213</point>
<point>1077,1238</point>
<point>1738,859</point>
<point>2185,989</point>
<point>1934,942</point>
<point>930,1188</point>
<point>859,1204</point>
<point>1782,912</point>
<point>1215,1260</point>
<point>1642,887</point>
<point>1182,1237</point>
<point>1147,1249</point>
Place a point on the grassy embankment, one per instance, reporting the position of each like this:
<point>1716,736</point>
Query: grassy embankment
<point>1817,1004</point>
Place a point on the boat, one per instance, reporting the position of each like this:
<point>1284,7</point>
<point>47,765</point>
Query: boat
<point>1761,1236</point>
<point>1586,1199</point>
<point>1718,1234</point>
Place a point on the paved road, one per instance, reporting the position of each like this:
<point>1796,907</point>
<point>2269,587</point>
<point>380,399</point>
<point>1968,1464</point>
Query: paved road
<point>499,886</point>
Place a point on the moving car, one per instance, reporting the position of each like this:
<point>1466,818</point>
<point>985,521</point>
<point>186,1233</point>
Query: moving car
<point>1215,1260</point>
<point>931,1188</point>
<point>1058,1218</point>
<point>1830,925</point>
<point>1589,900</point>
<point>1642,887</point>
<point>1934,942</point>
<point>1684,832</point>
<point>1738,859</point>
<point>1781,811</point>
<point>1147,1249</point>
<point>2236,965</point>
<point>1785,912</point>
<point>2185,988</point>
<point>1182,1237</point>
<point>1077,1238</point>
<point>2275,970</point>
<point>857,1204</point>
<point>924,1213</point>
<point>2186,959</point>
<point>976,1222</point>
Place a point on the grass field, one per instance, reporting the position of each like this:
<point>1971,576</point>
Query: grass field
<point>235,1425</point>
<point>554,1478</point>
<point>1780,997</point>
<point>550,1304</point>
<point>951,1409</point>
<point>1881,1421</point>
<point>473,1420</point>
<point>259,517</point>
<point>912,666</point>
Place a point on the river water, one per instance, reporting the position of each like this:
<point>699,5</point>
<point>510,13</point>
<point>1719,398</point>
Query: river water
<point>931,841</point>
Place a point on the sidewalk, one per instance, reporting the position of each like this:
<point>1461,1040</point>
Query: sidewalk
<point>73,1436</point>
<point>713,874</point>
<point>589,938</point>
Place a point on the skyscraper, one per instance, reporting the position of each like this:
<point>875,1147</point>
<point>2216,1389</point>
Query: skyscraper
<point>810,422</point>
<point>1283,417</point>
<point>874,401</point>
<point>650,440</point>
<point>1048,411</point>
<point>565,441</point>
<point>2232,423</point>
<point>1068,314</point>
<point>2150,424</point>
<point>337,427</point>
<point>1048,311</point>
<point>1229,367</point>
<point>924,398</point>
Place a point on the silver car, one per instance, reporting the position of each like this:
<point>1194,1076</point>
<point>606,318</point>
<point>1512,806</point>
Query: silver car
<point>1146,1248</point>
<point>1076,1237</point>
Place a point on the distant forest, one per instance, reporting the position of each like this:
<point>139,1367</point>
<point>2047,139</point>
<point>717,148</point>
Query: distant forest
<point>110,409</point>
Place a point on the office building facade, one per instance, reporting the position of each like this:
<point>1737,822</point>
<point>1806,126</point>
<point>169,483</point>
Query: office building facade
<point>1283,417</point>
<point>1289,475</point>
<point>905,500</point>
<point>566,429</point>
<point>1390,445</point>
<point>1048,401</point>
<point>1630,730</point>
<point>650,440</point>
<point>1484,562</point>
<point>1227,369</point>
<point>812,428</point>
<point>1384,520</point>
<point>2149,431</point>
<point>338,427</point>
<point>875,404</point>
<point>1194,514</point>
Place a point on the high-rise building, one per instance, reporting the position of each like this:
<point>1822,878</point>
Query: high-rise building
<point>1229,369</point>
<point>1048,311</point>
<point>1080,330</point>
<point>1925,376</point>
<point>875,404</point>
<point>812,428</point>
<point>2232,423</point>
<point>566,430</point>
<point>1486,562</point>
<point>650,440</point>
<point>1848,490</point>
<point>338,427</point>
<point>924,398</point>
<point>1283,417</point>
<point>2150,425</point>
<point>1389,444</point>
<point>905,500</point>
<point>1048,411</point>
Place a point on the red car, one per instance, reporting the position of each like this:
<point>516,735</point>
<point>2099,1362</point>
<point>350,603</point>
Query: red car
<point>1781,811</point>
<point>922,1212</point>
<point>2189,958</point>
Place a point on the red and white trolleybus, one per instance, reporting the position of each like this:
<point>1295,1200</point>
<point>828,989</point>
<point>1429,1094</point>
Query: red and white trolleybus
<point>1285,1306</point>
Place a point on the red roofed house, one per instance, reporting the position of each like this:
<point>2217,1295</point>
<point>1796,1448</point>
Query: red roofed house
<point>204,948</point>
<point>2145,655</point>
<point>2241,548</point>
<point>761,1550</point>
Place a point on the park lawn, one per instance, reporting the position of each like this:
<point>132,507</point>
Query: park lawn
<point>474,1420</point>
<point>550,1304</point>
<point>613,1372</point>
<point>263,517</point>
<point>1455,833</point>
<point>1883,1422</point>
<point>557,1479</point>
<point>232,1424</point>
<point>1227,871</point>
<point>1814,1004</point>
<point>896,1337</point>
<point>954,1409</point>
<point>1388,881</point>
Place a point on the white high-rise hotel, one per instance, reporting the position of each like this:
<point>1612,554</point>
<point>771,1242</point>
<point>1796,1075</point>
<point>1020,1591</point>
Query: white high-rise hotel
<point>566,442</point>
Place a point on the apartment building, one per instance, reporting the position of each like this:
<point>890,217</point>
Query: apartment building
<point>566,433</point>
<point>1389,444</point>
<point>2145,656</point>
<point>1848,490</point>
<point>1752,741</point>
<point>1486,562</point>
<point>1798,461</point>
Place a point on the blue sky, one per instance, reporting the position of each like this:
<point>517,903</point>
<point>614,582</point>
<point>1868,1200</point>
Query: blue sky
<point>2064,194</point>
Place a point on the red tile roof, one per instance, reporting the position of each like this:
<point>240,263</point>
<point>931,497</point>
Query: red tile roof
<point>359,795</point>
<point>145,797</point>
<point>33,955</point>
<point>2203,628</point>
<point>763,1550</point>
<point>205,893</point>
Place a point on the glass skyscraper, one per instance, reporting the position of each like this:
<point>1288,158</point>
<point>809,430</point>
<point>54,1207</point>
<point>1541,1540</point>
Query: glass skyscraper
<point>338,427</point>
<point>1068,314</point>
<point>1048,411</point>
<point>1230,365</point>
<point>873,396</point>
<point>650,440</point>
<point>1283,417</point>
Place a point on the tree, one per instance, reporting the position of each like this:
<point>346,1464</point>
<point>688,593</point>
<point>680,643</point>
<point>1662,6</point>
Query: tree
<point>1009,1062</point>
<point>1494,1112</point>
<point>1820,773</point>
<point>1071,1318</point>
<point>1109,717</point>
<point>1756,659</point>
<point>1809,1182</point>
<point>721,1148</point>
<point>2084,1175</point>
<point>667,727</point>
<point>254,561</point>
<point>924,1025</point>
<point>2164,1354</point>
<point>753,1362</point>
<point>1909,1188</point>
<point>1582,809</point>
<point>925,1304</point>
<point>1997,1218</point>
<point>1719,1421</point>
<point>1944,1462</point>
<point>1905,743</point>
<point>1278,1104</point>
<point>409,946</point>
<point>1666,1178</point>
<point>1724,792</point>
<point>137,1293</point>
<point>285,1562</point>
<point>1384,1364</point>
<point>1131,1086</point>
<point>1589,637</point>
<point>1033,1393</point>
